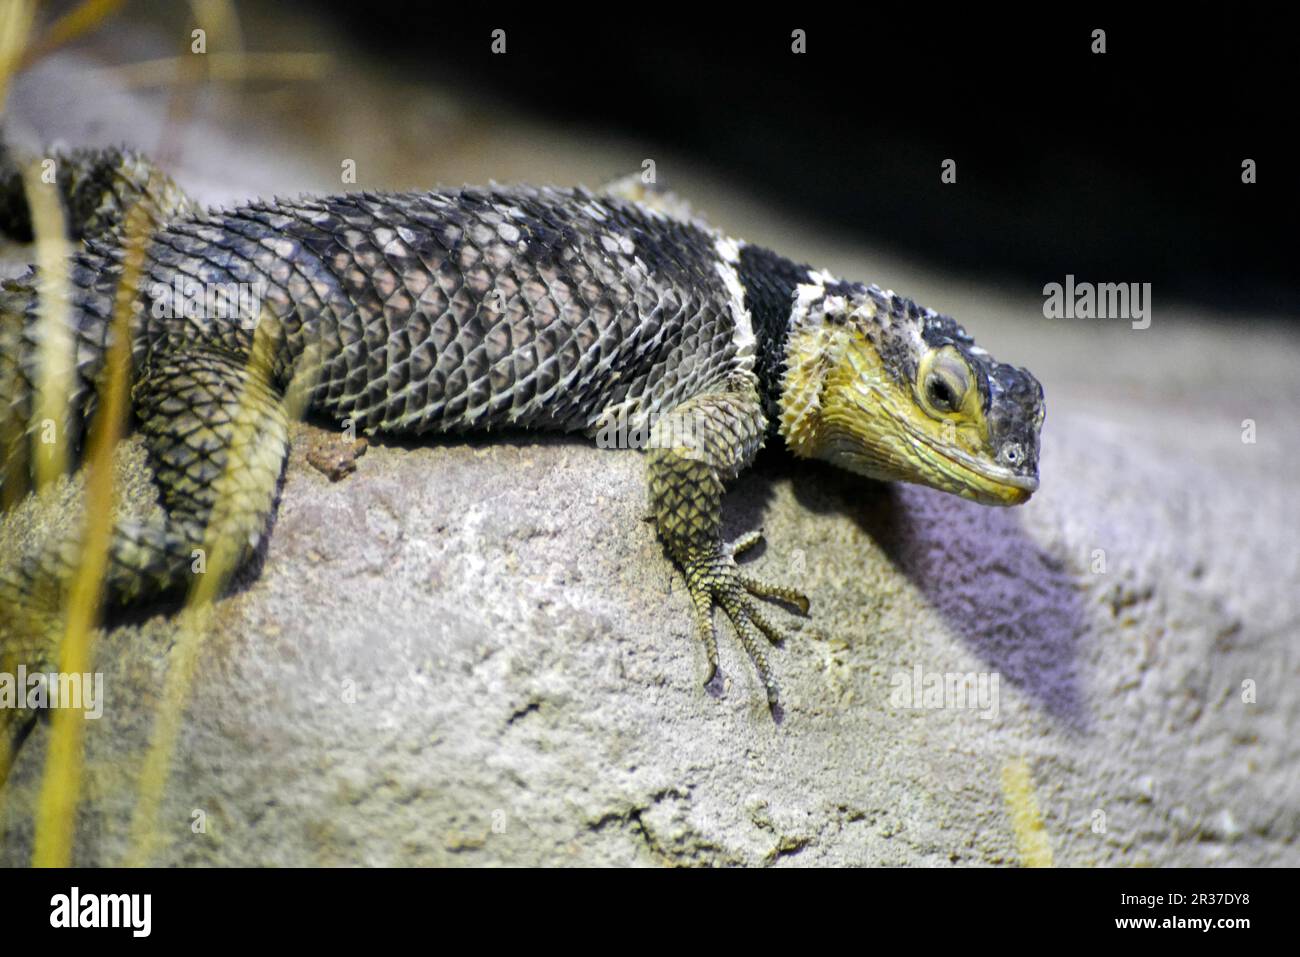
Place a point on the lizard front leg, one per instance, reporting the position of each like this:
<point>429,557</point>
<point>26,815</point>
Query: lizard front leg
<point>703,443</point>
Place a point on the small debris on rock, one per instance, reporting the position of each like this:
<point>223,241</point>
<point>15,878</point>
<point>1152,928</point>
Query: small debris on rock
<point>335,456</point>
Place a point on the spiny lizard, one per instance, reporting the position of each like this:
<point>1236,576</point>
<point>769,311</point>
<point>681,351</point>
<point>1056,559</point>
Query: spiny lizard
<point>480,309</point>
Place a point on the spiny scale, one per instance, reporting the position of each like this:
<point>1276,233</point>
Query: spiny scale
<point>469,309</point>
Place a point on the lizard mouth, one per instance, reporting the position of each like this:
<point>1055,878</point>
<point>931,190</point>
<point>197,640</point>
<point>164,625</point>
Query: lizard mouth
<point>968,475</point>
<point>912,456</point>
<point>987,470</point>
<point>984,481</point>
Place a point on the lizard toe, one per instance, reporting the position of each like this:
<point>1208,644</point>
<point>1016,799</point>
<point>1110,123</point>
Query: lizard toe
<point>714,579</point>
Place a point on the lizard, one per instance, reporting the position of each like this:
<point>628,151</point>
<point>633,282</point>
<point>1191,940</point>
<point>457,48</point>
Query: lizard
<point>480,309</point>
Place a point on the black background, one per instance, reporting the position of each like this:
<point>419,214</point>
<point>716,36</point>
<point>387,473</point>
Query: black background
<point>908,909</point>
<point>1122,167</point>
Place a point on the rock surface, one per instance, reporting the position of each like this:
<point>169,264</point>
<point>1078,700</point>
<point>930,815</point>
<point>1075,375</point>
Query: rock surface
<point>475,652</point>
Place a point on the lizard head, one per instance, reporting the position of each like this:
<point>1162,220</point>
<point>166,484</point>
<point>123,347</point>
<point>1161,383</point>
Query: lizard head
<point>885,388</point>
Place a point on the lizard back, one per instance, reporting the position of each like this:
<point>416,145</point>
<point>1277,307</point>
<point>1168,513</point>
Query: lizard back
<point>474,308</point>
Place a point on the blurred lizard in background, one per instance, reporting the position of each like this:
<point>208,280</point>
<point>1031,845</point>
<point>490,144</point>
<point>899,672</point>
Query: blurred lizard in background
<point>613,314</point>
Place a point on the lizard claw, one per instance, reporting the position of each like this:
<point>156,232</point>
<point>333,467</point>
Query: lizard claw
<point>713,578</point>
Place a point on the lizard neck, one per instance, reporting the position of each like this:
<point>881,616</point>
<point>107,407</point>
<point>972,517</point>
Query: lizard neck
<point>813,351</point>
<point>770,282</point>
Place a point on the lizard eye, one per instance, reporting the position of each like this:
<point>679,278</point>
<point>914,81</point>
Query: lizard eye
<point>946,382</point>
<point>941,394</point>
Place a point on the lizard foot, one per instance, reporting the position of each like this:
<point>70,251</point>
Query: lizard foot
<point>714,578</point>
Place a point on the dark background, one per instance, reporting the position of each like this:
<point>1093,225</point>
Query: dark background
<point>1122,167</point>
